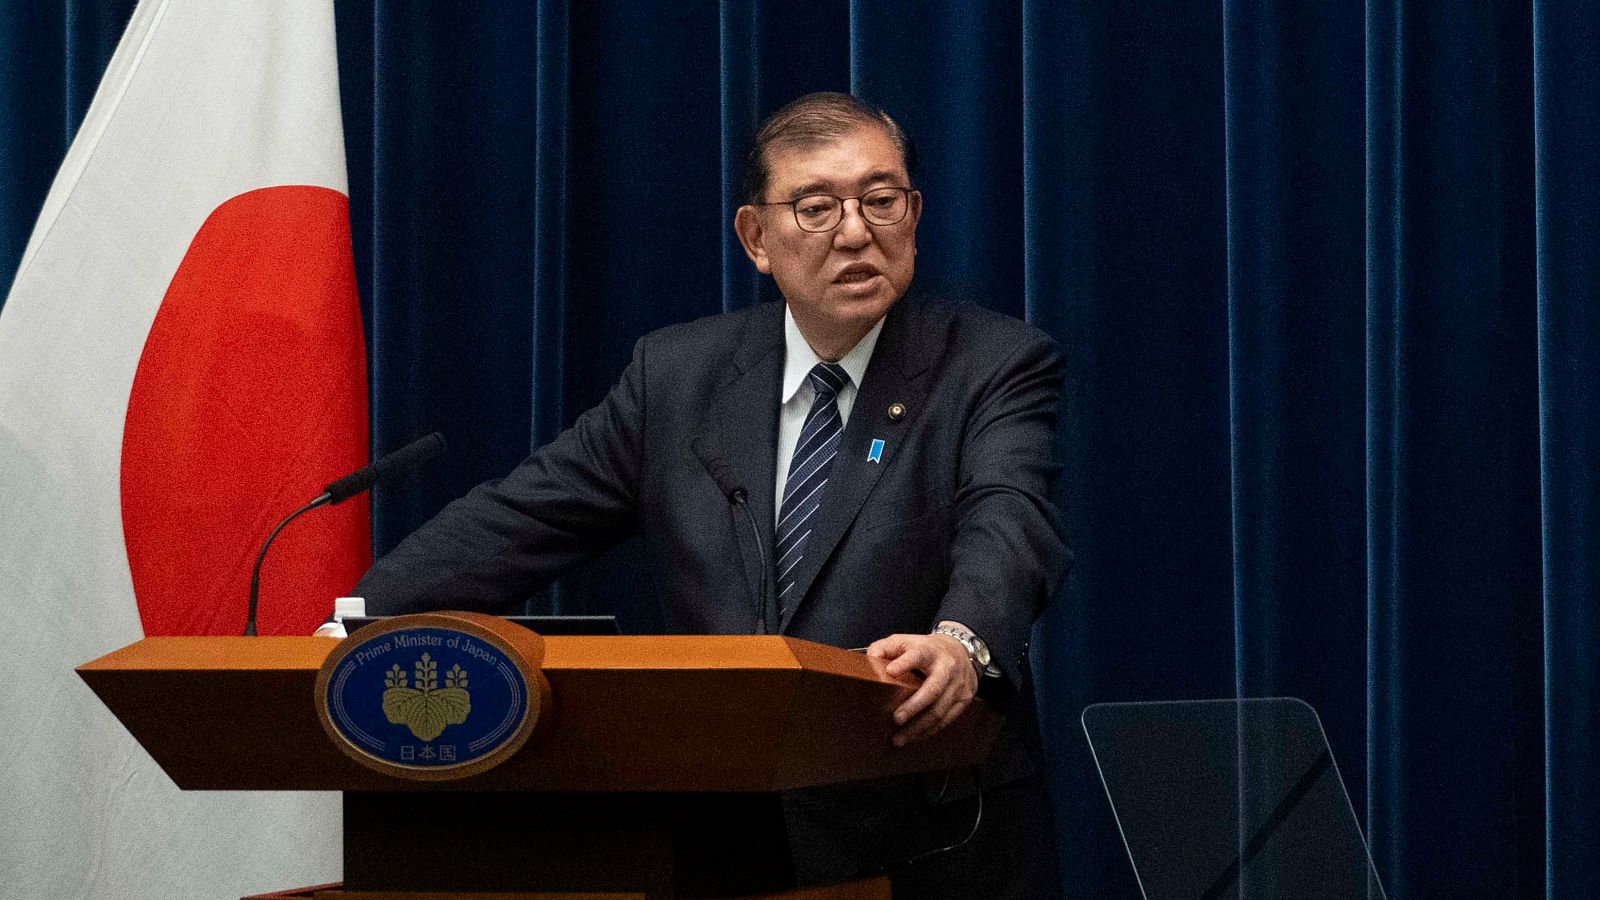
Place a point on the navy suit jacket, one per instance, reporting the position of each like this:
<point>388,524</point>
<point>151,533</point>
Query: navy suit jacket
<point>953,521</point>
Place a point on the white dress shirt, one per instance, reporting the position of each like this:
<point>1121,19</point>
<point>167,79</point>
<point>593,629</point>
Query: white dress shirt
<point>795,401</point>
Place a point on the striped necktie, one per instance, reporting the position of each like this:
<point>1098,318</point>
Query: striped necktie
<point>808,474</point>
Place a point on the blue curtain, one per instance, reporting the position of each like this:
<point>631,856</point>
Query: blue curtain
<point>1328,276</point>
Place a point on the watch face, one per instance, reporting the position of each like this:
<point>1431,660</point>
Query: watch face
<point>983,656</point>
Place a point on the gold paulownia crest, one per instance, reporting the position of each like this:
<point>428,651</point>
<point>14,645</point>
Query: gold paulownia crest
<point>426,708</point>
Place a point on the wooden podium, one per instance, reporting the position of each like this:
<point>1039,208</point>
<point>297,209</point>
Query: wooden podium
<point>655,775</point>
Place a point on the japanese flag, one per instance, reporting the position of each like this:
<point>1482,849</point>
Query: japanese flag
<point>181,365</point>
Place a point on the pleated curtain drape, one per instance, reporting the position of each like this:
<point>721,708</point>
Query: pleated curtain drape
<point>1327,276</point>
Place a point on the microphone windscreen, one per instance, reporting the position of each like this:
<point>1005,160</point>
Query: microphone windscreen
<point>403,460</point>
<point>408,457</point>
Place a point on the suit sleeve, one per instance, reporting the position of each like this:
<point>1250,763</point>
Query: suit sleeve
<point>571,500</point>
<point>1007,553</point>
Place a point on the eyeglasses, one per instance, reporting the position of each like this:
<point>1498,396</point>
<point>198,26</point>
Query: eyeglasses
<point>824,212</point>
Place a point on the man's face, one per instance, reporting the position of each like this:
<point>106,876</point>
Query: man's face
<point>843,280</point>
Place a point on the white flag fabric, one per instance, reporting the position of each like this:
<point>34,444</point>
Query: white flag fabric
<point>181,365</point>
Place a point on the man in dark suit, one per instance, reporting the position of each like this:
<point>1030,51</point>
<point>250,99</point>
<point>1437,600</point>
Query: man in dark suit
<point>896,456</point>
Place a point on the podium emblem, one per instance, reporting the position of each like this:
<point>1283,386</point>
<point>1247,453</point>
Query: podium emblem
<point>426,709</point>
<point>433,696</point>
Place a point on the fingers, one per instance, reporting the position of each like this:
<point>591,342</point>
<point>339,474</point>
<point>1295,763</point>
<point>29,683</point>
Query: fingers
<point>945,708</point>
<point>911,656</point>
<point>935,685</point>
<point>887,648</point>
<point>949,684</point>
<point>931,722</point>
<point>941,700</point>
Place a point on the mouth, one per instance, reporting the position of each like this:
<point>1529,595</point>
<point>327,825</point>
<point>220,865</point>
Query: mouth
<point>856,273</point>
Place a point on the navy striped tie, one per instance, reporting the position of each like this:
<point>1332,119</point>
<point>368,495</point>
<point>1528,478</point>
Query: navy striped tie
<point>808,474</point>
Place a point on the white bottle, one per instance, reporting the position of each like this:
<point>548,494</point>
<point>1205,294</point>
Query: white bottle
<point>342,608</point>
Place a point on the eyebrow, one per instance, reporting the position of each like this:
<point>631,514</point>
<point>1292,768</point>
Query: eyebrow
<point>823,187</point>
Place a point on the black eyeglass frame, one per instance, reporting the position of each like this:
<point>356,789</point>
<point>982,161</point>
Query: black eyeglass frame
<point>861,208</point>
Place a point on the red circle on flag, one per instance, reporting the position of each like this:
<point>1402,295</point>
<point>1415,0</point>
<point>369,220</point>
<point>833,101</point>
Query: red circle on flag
<point>250,395</point>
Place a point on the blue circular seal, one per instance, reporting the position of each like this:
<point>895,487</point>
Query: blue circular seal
<point>429,696</point>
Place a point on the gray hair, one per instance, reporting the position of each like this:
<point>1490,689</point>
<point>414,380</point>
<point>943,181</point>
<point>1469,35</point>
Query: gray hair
<point>810,121</point>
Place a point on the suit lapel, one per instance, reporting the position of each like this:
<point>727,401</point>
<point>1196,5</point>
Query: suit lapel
<point>741,428</point>
<point>903,352</point>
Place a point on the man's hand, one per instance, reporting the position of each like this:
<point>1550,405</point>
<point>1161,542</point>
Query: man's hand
<point>948,682</point>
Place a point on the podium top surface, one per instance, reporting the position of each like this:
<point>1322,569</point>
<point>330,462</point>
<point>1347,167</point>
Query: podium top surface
<point>607,652</point>
<point>629,713</point>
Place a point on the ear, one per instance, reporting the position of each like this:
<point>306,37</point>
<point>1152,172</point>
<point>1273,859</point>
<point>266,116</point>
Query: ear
<point>916,216</point>
<point>747,224</point>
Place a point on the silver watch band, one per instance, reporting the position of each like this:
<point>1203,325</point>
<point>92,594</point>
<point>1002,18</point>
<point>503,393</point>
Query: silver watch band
<point>977,652</point>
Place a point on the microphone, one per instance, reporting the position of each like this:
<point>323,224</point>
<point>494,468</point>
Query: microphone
<point>766,613</point>
<point>399,462</point>
<point>405,459</point>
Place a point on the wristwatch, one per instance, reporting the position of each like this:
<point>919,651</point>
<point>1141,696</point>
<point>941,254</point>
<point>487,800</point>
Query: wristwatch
<point>977,650</point>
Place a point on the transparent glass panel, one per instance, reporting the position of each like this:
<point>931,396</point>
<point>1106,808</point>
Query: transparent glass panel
<point>1226,799</point>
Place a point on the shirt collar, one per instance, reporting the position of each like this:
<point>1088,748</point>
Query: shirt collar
<point>799,359</point>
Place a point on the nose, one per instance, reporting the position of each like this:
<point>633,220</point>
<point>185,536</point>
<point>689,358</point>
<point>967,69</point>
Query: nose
<point>852,230</point>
